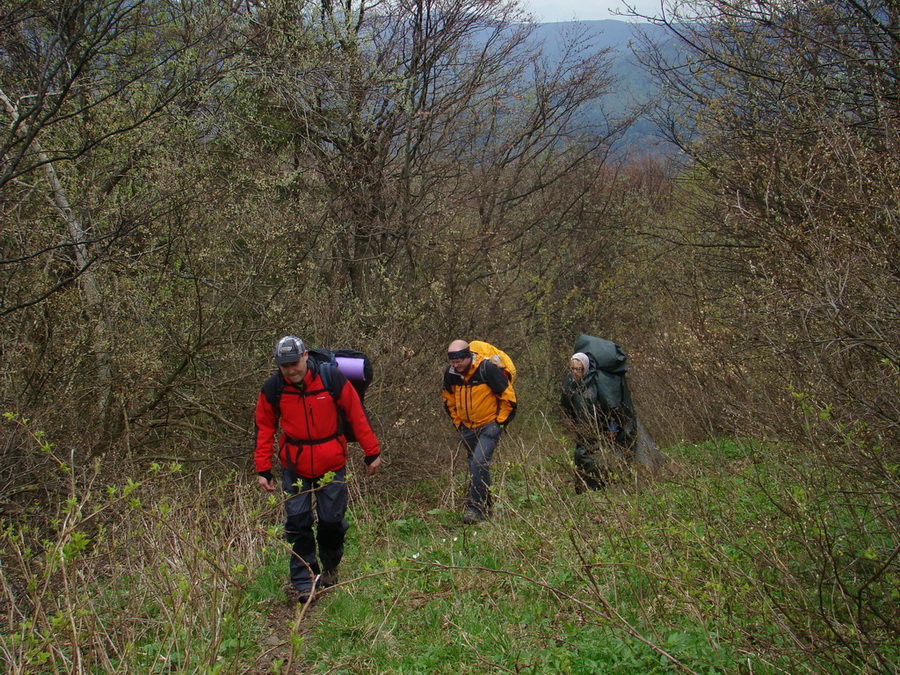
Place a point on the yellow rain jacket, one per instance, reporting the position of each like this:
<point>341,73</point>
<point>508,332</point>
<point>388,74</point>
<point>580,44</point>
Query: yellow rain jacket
<point>478,396</point>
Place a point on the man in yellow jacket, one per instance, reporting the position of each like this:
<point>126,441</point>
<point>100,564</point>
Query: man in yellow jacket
<point>481,401</point>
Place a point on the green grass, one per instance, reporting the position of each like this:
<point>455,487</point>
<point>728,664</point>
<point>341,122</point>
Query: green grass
<point>700,571</point>
<point>736,560</point>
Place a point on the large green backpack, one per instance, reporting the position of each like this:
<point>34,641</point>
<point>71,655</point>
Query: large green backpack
<point>607,373</point>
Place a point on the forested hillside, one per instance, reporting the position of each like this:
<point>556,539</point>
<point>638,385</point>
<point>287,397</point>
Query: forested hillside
<point>183,183</point>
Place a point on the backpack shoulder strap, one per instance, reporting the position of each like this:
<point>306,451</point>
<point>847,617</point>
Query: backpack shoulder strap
<point>329,381</point>
<point>272,389</point>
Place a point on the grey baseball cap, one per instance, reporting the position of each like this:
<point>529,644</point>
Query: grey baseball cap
<point>288,349</point>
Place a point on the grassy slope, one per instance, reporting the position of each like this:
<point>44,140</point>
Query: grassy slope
<point>711,569</point>
<point>679,575</point>
<point>555,583</point>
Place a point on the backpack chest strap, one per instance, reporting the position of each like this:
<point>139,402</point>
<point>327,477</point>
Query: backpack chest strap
<point>315,441</point>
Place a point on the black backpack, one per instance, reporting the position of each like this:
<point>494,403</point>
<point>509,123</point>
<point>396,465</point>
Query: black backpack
<point>353,364</point>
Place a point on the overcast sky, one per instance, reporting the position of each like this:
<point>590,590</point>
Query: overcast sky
<point>587,10</point>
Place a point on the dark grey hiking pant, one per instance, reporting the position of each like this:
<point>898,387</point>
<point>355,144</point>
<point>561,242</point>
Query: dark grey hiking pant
<point>314,500</point>
<point>480,445</point>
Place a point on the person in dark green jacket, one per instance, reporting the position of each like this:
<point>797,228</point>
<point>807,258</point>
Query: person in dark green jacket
<point>597,402</point>
<point>594,425</point>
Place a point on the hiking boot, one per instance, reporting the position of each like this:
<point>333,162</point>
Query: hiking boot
<point>471,517</point>
<point>306,596</point>
<point>329,578</point>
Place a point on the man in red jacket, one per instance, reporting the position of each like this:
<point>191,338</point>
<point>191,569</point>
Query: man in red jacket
<point>310,446</point>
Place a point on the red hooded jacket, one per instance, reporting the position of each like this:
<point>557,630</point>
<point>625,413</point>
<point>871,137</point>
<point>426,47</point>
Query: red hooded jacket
<point>310,441</point>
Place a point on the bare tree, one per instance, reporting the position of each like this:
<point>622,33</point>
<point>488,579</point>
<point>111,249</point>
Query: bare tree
<point>400,109</point>
<point>794,114</point>
<point>80,83</point>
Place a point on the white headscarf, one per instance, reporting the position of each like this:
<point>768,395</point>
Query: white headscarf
<point>583,358</point>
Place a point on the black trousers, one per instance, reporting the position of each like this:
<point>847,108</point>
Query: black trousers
<point>315,526</point>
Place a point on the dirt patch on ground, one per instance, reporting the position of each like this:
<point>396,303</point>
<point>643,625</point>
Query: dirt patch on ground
<point>286,618</point>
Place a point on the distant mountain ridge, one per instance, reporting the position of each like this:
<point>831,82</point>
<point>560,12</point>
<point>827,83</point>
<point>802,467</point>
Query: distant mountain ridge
<point>634,86</point>
<point>605,33</point>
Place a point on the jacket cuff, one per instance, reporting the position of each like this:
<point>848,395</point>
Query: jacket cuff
<point>266,474</point>
<point>371,458</point>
